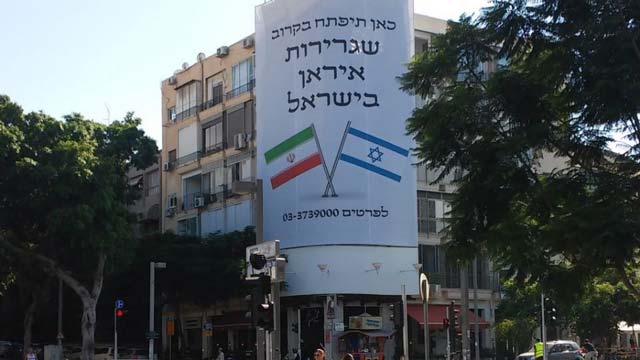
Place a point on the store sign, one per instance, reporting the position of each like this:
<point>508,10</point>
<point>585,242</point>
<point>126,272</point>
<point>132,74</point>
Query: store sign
<point>332,146</point>
<point>365,322</point>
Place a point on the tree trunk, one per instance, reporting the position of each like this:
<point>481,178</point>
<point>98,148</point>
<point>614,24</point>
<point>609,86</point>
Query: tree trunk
<point>28,323</point>
<point>88,327</point>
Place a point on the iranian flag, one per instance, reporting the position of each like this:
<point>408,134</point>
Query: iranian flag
<point>295,156</point>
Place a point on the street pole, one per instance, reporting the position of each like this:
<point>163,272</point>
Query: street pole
<point>464,310</point>
<point>275,334</point>
<point>152,290</point>
<point>261,335</point>
<point>542,328</point>
<point>152,285</point>
<point>476,326</point>
<point>427,344</point>
<point>115,333</point>
<point>60,336</point>
<point>405,327</point>
<point>448,315</point>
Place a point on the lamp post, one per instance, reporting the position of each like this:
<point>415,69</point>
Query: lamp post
<point>152,288</point>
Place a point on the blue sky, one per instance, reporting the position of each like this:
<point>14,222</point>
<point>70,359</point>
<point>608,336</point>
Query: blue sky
<point>104,58</point>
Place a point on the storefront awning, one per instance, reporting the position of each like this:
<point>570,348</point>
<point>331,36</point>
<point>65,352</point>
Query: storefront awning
<point>369,333</point>
<point>235,319</point>
<point>437,313</point>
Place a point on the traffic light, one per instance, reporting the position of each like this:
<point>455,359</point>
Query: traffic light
<point>264,316</point>
<point>551,312</point>
<point>396,314</point>
<point>119,313</point>
<point>261,311</point>
<point>453,321</point>
<point>455,316</point>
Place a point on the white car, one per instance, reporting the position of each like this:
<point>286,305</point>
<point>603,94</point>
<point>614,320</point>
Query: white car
<point>556,350</point>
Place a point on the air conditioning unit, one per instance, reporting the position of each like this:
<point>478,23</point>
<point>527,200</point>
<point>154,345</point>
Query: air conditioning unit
<point>173,80</point>
<point>167,166</point>
<point>222,51</point>
<point>434,288</point>
<point>171,212</point>
<point>198,201</point>
<point>174,116</point>
<point>239,141</point>
<point>247,42</point>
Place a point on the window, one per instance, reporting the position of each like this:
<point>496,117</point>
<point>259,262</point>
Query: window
<point>430,258</point>
<point>188,226</point>
<point>172,201</point>
<point>242,75</point>
<point>212,136</point>
<point>153,183</point>
<point>187,101</point>
<point>214,92</point>
<point>172,156</point>
<point>239,171</point>
<point>433,208</point>
<point>172,114</point>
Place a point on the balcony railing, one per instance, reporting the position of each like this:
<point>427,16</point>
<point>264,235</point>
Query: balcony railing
<point>184,160</point>
<point>187,113</point>
<point>432,226</point>
<point>452,280</point>
<point>241,89</point>
<point>212,102</point>
<point>189,200</point>
<point>214,148</point>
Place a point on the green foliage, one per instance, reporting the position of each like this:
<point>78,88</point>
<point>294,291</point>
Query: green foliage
<point>64,185</point>
<point>517,316</point>
<point>560,83</point>
<point>601,307</point>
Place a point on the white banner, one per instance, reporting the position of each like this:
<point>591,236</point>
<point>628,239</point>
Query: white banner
<point>332,146</point>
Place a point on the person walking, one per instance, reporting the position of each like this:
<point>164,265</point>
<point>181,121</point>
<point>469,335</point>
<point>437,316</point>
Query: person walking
<point>590,352</point>
<point>538,350</point>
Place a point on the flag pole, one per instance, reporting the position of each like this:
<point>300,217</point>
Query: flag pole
<point>324,164</point>
<point>335,162</point>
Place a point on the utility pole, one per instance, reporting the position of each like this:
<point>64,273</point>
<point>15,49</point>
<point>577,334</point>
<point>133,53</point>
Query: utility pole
<point>464,310</point>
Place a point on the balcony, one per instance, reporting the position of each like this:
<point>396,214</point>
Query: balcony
<point>432,226</point>
<point>184,160</point>
<point>212,102</point>
<point>187,113</point>
<point>241,89</point>
<point>211,149</point>
<point>189,201</point>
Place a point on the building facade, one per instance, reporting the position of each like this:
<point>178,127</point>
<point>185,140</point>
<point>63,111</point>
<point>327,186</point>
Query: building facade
<point>208,143</point>
<point>147,208</point>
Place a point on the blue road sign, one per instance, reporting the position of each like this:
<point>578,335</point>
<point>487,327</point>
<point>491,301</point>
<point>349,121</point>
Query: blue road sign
<point>119,304</point>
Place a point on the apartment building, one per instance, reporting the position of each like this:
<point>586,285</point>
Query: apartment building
<point>208,144</point>
<point>147,208</point>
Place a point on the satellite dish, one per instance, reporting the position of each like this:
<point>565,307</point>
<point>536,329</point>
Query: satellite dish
<point>201,56</point>
<point>185,65</point>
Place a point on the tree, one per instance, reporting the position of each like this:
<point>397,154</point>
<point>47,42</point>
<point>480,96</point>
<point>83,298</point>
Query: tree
<point>64,196</point>
<point>564,76</point>
<point>517,317</point>
<point>199,271</point>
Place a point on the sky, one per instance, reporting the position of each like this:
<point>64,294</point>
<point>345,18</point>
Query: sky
<point>105,58</point>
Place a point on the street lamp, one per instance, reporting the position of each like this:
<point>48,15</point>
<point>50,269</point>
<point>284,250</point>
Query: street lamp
<point>152,288</point>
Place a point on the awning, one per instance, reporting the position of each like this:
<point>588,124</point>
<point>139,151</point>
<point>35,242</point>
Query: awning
<point>235,319</point>
<point>369,333</point>
<point>437,313</point>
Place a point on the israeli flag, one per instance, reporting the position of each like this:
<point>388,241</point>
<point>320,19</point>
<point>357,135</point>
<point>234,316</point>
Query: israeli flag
<point>374,154</point>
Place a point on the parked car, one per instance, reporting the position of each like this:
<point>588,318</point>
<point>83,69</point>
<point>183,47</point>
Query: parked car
<point>557,350</point>
<point>132,354</point>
